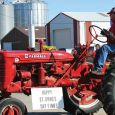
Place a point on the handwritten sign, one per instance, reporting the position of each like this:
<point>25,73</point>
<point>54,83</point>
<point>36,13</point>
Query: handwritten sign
<point>47,98</point>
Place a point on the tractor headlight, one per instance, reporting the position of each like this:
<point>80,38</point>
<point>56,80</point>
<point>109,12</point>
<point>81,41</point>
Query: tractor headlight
<point>17,60</point>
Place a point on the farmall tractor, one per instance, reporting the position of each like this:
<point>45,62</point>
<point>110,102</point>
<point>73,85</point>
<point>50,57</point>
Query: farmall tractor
<point>22,70</point>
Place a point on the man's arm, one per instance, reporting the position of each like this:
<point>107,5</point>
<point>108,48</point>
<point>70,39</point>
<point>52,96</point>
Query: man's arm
<point>107,34</point>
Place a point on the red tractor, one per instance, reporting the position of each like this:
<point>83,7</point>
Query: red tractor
<point>22,70</point>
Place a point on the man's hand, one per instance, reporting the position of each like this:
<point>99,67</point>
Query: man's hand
<point>104,32</point>
<point>107,34</point>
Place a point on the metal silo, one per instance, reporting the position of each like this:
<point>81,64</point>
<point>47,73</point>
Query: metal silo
<point>6,19</point>
<point>22,13</point>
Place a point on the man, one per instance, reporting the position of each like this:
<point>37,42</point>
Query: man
<point>106,49</point>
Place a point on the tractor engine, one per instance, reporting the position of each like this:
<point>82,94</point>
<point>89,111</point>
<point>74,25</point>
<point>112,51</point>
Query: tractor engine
<point>56,68</point>
<point>21,70</point>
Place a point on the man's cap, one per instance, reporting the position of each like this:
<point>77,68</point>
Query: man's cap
<point>112,11</point>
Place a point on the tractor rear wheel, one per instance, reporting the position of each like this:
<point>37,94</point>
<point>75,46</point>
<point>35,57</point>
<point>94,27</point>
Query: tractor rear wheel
<point>12,106</point>
<point>75,105</point>
<point>108,90</point>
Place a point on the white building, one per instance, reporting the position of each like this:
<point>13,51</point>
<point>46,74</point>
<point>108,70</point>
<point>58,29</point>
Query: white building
<point>68,29</point>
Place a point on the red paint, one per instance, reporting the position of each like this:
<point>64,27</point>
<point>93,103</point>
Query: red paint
<point>88,35</point>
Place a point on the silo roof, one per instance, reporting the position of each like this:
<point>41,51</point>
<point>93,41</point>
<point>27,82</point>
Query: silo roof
<point>88,16</point>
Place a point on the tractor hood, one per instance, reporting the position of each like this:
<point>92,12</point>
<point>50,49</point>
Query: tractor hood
<point>37,56</point>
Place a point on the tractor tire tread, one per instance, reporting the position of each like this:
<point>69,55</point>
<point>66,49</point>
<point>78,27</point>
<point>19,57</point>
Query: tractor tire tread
<point>108,94</point>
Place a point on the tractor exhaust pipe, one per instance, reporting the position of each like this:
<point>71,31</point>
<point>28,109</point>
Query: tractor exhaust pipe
<point>31,32</point>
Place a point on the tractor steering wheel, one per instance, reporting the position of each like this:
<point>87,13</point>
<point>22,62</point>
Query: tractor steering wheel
<point>93,29</point>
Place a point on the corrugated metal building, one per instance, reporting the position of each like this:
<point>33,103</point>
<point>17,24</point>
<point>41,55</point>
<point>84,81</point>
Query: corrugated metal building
<point>68,29</point>
<point>15,19</point>
<point>23,9</point>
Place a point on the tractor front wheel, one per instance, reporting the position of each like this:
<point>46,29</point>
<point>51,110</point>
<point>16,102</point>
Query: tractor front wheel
<point>12,106</point>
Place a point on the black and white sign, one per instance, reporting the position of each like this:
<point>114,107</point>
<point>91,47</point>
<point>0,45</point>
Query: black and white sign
<point>47,98</point>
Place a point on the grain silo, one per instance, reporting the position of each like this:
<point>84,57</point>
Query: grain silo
<point>22,11</point>
<point>6,19</point>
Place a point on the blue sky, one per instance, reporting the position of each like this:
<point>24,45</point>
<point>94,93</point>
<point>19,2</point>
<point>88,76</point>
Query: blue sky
<point>57,6</point>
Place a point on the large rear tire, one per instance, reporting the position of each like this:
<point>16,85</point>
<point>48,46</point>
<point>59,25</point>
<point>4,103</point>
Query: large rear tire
<point>12,106</point>
<point>108,90</point>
